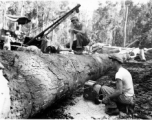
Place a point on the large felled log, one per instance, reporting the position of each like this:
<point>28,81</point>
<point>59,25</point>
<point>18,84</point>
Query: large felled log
<point>37,81</point>
<point>105,49</point>
<point>112,49</point>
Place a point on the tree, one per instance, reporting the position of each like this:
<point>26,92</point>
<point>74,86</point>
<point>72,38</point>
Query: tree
<point>127,4</point>
<point>107,20</point>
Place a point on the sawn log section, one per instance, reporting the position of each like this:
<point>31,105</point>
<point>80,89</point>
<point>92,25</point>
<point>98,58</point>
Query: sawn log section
<point>37,81</point>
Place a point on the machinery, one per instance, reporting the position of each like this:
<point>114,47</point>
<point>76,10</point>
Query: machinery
<point>92,91</point>
<point>34,41</point>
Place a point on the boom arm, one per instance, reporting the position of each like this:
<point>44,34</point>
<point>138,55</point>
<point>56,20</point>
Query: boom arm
<point>55,24</point>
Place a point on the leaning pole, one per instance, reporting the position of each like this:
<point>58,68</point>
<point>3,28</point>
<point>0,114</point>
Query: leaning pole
<point>35,82</point>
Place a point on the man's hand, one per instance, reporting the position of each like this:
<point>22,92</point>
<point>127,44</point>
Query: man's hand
<point>74,31</point>
<point>125,90</point>
<point>105,100</point>
<point>112,82</point>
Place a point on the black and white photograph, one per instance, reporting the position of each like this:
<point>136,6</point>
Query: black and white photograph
<point>76,59</point>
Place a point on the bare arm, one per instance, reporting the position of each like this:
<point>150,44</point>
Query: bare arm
<point>83,31</point>
<point>71,39</point>
<point>119,89</point>
<point>79,31</point>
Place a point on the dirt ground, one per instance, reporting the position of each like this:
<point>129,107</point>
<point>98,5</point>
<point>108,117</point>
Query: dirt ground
<point>75,107</point>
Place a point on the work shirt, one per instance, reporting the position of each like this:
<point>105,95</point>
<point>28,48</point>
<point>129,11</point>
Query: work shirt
<point>124,75</point>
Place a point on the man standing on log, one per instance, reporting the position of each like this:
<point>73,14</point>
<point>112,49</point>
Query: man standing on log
<point>79,37</point>
<point>124,92</point>
<point>7,41</point>
<point>141,48</point>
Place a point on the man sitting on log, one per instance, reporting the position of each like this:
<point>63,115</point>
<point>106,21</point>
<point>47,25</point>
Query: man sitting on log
<point>79,37</point>
<point>123,95</point>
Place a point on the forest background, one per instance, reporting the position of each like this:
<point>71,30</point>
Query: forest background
<point>116,23</point>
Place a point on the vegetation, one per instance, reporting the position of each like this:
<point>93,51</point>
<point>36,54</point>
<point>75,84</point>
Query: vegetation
<point>116,24</point>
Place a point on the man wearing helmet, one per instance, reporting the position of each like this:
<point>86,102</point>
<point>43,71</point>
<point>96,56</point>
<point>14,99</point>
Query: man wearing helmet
<point>78,34</point>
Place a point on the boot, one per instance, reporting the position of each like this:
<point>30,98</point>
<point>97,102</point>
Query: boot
<point>110,104</point>
<point>78,51</point>
<point>112,111</point>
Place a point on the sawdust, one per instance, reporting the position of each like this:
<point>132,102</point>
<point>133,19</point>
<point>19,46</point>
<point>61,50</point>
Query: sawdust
<point>83,109</point>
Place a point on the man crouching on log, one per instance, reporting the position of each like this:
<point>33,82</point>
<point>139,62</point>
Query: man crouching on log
<point>123,96</point>
<point>79,37</point>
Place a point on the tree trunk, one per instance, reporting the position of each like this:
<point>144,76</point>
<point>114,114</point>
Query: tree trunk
<point>22,14</point>
<point>37,81</point>
<point>125,27</point>
<point>4,15</point>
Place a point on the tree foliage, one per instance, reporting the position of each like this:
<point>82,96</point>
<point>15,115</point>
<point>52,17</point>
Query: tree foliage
<point>138,26</point>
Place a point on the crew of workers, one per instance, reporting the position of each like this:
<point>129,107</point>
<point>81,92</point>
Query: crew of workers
<point>123,94</point>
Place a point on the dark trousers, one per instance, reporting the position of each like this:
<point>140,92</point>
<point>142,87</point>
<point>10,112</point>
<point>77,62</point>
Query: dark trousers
<point>119,102</point>
<point>43,45</point>
<point>81,40</point>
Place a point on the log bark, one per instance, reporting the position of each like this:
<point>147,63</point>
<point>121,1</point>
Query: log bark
<point>106,49</point>
<point>37,81</point>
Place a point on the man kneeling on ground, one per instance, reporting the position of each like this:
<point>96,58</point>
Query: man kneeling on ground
<point>124,92</point>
